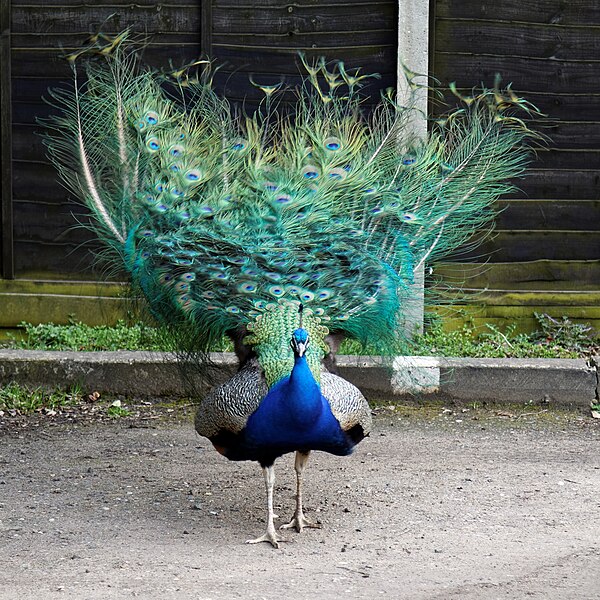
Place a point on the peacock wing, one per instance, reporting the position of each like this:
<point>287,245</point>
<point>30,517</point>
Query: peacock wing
<point>228,407</point>
<point>347,403</point>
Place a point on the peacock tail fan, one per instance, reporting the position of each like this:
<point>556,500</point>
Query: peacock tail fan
<point>227,221</point>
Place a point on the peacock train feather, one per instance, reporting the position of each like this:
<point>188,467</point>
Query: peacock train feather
<point>276,229</point>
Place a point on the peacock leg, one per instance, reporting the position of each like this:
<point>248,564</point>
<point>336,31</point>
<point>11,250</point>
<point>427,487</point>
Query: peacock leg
<point>299,521</point>
<point>270,535</point>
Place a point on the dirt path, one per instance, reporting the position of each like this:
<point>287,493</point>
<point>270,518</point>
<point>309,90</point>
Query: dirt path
<point>434,505</point>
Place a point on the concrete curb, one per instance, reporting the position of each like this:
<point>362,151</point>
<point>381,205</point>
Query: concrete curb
<point>560,382</point>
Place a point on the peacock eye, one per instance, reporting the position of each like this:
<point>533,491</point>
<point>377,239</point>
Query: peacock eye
<point>310,172</point>
<point>153,144</point>
<point>239,145</point>
<point>409,160</point>
<point>151,117</point>
<point>332,143</point>
<point>176,150</point>
<point>338,173</point>
<point>193,175</point>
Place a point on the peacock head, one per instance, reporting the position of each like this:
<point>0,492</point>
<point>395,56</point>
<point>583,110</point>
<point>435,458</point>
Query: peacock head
<point>299,342</point>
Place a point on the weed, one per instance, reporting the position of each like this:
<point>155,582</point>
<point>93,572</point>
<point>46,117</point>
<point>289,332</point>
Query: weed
<point>18,399</point>
<point>117,410</point>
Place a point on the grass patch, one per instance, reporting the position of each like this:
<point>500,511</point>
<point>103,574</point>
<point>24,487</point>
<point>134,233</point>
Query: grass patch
<point>16,399</point>
<point>78,336</point>
<point>555,338</point>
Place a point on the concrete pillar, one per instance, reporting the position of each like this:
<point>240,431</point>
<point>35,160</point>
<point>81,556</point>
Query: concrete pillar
<point>413,51</point>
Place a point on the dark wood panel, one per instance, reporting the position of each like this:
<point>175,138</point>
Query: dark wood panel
<point>286,18</point>
<point>581,215</point>
<point>510,246</point>
<point>577,184</point>
<point>568,159</point>
<point>283,61</point>
<point>524,39</point>
<point>551,12</point>
<point>91,18</point>
<point>311,39</point>
<point>571,135</point>
<point>46,188</point>
<point>54,258</point>
<point>50,64</point>
<point>335,4</point>
<point>526,75</point>
<point>50,223</point>
<point>85,4</point>
<point>45,40</point>
<point>554,103</point>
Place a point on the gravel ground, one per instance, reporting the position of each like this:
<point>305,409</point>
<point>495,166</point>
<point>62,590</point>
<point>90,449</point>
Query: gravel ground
<point>436,504</point>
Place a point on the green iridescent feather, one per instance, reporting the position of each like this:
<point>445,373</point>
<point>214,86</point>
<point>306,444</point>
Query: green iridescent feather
<point>221,220</point>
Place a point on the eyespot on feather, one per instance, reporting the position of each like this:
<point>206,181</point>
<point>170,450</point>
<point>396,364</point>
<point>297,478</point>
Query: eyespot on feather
<point>310,172</point>
<point>176,150</point>
<point>332,143</point>
<point>193,175</point>
<point>151,117</point>
<point>338,173</point>
<point>239,144</point>
<point>153,144</point>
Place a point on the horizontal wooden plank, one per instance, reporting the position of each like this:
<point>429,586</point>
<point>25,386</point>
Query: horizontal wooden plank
<point>531,275</point>
<point>57,258</point>
<point>568,159</point>
<point>525,39</point>
<point>508,246</point>
<point>563,105</point>
<point>91,18</point>
<point>262,4</point>
<point>577,184</point>
<point>570,135</point>
<point>84,4</point>
<point>557,12</point>
<point>286,18</point>
<point>581,215</point>
<point>373,59</point>
<point>39,41</point>
<point>45,222</point>
<point>50,64</point>
<point>307,39</point>
<point>526,74</point>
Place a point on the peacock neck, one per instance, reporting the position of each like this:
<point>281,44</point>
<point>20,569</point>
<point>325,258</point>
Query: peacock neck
<point>270,334</point>
<point>302,394</point>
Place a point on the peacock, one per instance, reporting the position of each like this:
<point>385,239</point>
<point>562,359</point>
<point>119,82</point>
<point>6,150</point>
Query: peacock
<point>286,229</point>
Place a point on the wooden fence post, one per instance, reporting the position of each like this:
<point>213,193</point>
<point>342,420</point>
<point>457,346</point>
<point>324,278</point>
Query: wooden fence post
<point>6,213</point>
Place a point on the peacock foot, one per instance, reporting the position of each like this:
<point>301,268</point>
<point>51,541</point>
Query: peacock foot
<point>299,522</point>
<point>270,536</point>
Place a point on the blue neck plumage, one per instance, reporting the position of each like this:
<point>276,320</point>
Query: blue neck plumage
<point>301,393</point>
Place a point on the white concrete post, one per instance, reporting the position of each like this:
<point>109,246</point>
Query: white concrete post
<point>413,51</point>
